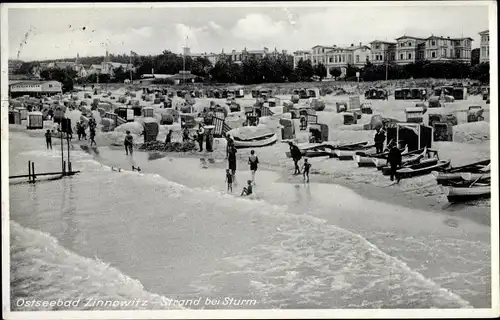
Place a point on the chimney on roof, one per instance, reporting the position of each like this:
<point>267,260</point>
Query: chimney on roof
<point>352,44</point>
<point>360,44</point>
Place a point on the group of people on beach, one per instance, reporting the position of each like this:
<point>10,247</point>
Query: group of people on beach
<point>253,162</point>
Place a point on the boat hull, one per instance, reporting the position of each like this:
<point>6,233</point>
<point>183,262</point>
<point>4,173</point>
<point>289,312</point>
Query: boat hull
<point>241,144</point>
<point>460,194</point>
<point>422,169</point>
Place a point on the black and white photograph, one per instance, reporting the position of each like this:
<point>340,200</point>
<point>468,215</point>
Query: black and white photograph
<point>250,160</point>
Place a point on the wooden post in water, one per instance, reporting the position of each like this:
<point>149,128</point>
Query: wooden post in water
<point>33,171</point>
<point>67,140</point>
<point>62,149</point>
<point>64,168</point>
<point>29,171</point>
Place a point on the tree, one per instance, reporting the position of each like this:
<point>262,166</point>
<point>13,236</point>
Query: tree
<point>304,70</point>
<point>26,68</point>
<point>320,71</point>
<point>121,75</point>
<point>65,76</point>
<point>335,72</point>
<point>475,55</point>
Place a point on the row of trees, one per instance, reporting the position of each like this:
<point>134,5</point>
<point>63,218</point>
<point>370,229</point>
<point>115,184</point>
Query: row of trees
<point>253,71</point>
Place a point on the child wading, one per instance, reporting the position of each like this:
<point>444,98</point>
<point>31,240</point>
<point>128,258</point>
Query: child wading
<point>248,189</point>
<point>305,169</point>
<point>229,180</point>
<point>48,139</point>
<point>129,140</point>
<point>253,161</point>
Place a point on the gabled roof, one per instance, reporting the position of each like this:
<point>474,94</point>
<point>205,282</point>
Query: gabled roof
<point>410,37</point>
<point>379,41</point>
<point>320,46</point>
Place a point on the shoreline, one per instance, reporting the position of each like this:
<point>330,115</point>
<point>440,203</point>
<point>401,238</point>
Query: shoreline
<point>389,195</point>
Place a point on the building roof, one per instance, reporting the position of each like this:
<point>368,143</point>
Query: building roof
<point>448,38</point>
<point>31,82</point>
<point>380,41</point>
<point>410,37</point>
<point>484,32</point>
<point>320,46</point>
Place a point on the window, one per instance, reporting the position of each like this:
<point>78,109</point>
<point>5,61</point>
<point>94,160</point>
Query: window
<point>357,58</point>
<point>377,46</point>
<point>433,54</point>
<point>433,42</point>
<point>343,58</point>
<point>409,56</point>
<point>401,57</point>
<point>331,59</point>
<point>409,44</point>
<point>50,86</point>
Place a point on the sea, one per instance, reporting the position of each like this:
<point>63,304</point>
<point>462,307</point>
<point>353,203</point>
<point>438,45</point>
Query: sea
<point>172,236</point>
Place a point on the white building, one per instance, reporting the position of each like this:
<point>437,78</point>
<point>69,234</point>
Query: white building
<point>484,49</point>
<point>34,88</point>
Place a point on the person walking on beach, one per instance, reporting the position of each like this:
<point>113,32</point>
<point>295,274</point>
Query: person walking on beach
<point>394,159</point>
<point>48,139</point>
<point>78,130</point>
<point>92,137</point>
<point>305,169</point>
<point>379,140</point>
<point>296,156</point>
<point>229,180</point>
<point>129,140</point>
<point>253,161</point>
<point>201,133</point>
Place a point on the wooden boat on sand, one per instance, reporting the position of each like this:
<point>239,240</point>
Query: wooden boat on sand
<point>424,167</point>
<point>459,194</point>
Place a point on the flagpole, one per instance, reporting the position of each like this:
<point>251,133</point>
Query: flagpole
<point>184,63</point>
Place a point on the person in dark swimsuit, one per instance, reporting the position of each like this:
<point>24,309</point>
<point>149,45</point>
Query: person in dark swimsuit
<point>232,163</point>
<point>129,140</point>
<point>229,180</point>
<point>253,161</point>
<point>169,137</point>
<point>48,139</point>
<point>248,189</point>
<point>305,169</point>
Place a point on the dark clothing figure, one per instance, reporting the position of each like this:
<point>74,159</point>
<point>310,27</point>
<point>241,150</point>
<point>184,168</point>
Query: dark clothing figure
<point>169,137</point>
<point>201,133</point>
<point>379,140</point>
<point>296,156</point>
<point>129,140</point>
<point>394,159</point>
<point>229,180</point>
<point>208,141</point>
<point>48,140</point>
<point>230,146</point>
<point>253,161</point>
<point>248,189</point>
<point>306,167</point>
<point>79,130</point>
<point>232,163</point>
<point>92,137</point>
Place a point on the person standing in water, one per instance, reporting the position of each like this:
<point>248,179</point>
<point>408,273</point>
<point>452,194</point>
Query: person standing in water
<point>305,169</point>
<point>231,159</point>
<point>229,180</point>
<point>129,140</point>
<point>48,139</point>
<point>296,155</point>
<point>253,161</point>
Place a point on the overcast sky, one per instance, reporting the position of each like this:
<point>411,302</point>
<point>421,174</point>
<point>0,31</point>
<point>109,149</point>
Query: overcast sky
<point>51,33</point>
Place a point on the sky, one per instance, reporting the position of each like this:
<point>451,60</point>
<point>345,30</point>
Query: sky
<point>62,32</point>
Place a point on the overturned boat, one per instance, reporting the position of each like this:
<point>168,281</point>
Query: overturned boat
<point>460,194</point>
